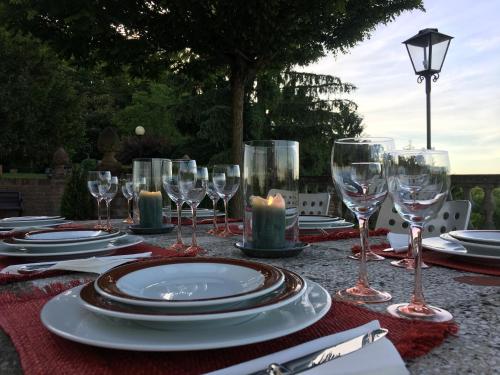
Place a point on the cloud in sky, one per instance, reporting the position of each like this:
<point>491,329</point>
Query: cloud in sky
<point>465,99</point>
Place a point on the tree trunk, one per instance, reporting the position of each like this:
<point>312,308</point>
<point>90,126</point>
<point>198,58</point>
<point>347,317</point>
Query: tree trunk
<point>237,103</point>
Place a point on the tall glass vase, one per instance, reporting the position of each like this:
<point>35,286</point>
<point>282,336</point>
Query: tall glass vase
<point>148,198</point>
<point>271,194</point>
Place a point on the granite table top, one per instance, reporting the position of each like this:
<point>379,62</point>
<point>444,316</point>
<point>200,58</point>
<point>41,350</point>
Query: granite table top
<point>476,349</point>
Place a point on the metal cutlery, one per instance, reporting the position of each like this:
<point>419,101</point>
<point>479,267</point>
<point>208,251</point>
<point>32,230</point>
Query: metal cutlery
<point>320,357</point>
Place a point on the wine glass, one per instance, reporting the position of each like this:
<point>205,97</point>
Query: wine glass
<point>127,185</point>
<point>170,179</point>
<point>108,195</point>
<point>418,182</point>
<point>214,197</point>
<point>193,184</point>
<point>226,179</point>
<point>93,179</point>
<point>359,175</point>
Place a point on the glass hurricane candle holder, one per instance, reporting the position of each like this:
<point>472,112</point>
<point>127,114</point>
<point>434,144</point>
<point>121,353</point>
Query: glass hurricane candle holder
<point>147,183</point>
<point>271,194</point>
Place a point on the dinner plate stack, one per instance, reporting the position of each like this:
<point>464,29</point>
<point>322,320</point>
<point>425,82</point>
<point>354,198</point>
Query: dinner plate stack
<point>176,304</point>
<point>202,213</point>
<point>66,243</point>
<point>480,244</point>
<point>20,222</point>
<point>322,222</point>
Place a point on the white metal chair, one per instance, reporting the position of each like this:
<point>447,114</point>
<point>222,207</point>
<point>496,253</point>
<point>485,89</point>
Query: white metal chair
<point>454,215</point>
<point>314,204</point>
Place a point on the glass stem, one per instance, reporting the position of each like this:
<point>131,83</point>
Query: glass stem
<point>214,201</point>
<point>107,214</point>
<point>363,235</point>
<point>99,211</point>
<point>193,236</point>
<point>179,223</point>
<point>409,253</point>
<point>129,209</point>
<point>417,298</point>
<point>226,227</point>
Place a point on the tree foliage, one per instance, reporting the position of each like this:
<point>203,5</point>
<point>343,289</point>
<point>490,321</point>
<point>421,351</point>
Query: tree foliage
<point>39,106</point>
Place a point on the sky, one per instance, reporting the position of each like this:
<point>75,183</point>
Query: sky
<point>465,101</point>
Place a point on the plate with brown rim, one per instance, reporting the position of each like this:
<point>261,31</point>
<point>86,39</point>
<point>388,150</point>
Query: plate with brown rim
<point>188,282</point>
<point>294,287</point>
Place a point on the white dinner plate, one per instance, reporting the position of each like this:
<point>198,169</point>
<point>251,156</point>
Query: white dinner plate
<point>31,218</point>
<point>65,236</point>
<point>441,245</point>
<point>474,248</point>
<point>60,246</point>
<point>317,219</point>
<point>100,249</point>
<point>32,223</point>
<point>200,213</point>
<point>64,316</point>
<point>339,224</point>
<point>193,284</point>
<point>487,237</point>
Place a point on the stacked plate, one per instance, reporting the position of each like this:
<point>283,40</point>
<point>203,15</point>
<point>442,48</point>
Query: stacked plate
<point>201,213</point>
<point>480,244</point>
<point>66,243</point>
<point>186,304</point>
<point>320,222</point>
<point>20,222</point>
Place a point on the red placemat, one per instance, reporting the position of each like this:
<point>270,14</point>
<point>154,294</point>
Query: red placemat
<point>439,259</point>
<point>42,352</point>
<point>188,221</point>
<point>140,248</point>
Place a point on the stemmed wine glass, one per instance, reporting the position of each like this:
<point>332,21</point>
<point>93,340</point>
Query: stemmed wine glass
<point>93,180</point>
<point>108,195</point>
<point>193,185</point>
<point>214,197</point>
<point>226,179</point>
<point>418,182</point>
<point>359,175</point>
<point>170,179</point>
<point>128,193</point>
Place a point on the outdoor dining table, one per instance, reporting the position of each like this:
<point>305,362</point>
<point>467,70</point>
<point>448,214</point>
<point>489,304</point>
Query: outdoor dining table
<point>475,349</point>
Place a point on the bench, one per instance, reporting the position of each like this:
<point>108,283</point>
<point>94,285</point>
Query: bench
<point>10,201</point>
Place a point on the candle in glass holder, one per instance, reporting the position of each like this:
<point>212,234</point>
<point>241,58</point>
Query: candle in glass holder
<point>268,222</point>
<point>150,209</point>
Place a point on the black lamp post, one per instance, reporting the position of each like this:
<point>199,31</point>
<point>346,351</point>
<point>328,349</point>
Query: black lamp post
<point>427,51</point>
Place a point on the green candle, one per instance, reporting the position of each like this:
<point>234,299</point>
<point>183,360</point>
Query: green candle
<point>268,222</point>
<point>150,209</point>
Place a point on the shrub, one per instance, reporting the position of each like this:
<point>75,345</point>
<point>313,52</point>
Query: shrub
<point>77,203</point>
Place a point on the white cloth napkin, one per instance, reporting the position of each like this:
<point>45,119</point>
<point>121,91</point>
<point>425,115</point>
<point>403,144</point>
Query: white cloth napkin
<point>91,265</point>
<point>398,241</point>
<point>380,357</point>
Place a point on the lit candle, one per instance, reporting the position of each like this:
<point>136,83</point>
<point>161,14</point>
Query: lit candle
<point>268,222</point>
<point>150,209</point>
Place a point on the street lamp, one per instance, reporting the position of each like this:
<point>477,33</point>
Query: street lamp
<point>427,51</point>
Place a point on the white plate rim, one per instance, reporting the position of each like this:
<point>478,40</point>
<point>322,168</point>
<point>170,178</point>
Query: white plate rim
<point>67,240</point>
<point>134,240</point>
<point>458,234</point>
<point>29,224</point>
<point>178,303</point>
<point>34,246</point>
<point>470,245</point>
<point>232,338</point>
<point>464,253</point>
<point>21,219</point>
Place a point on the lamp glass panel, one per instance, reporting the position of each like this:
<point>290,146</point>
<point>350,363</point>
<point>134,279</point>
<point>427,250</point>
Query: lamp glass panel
<point>420,57</point>
<point>438,54</point>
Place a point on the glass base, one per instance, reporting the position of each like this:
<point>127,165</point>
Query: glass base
<point>408,263</point>
<point>225,233</point>
<point>178,246</point>
<point>128,220</point>
<point>195,250</point>
<point>362,295</point>
<point>99,226</point>
<point>420,312</point>
<point>215,230</point>
<point>369,256</point>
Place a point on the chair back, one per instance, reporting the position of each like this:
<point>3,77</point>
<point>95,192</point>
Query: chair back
<point>454,215</point>
<point>314,204</point>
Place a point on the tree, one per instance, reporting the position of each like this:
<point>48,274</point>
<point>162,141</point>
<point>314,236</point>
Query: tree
<point>39,106</point>
<point>241,38</point>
